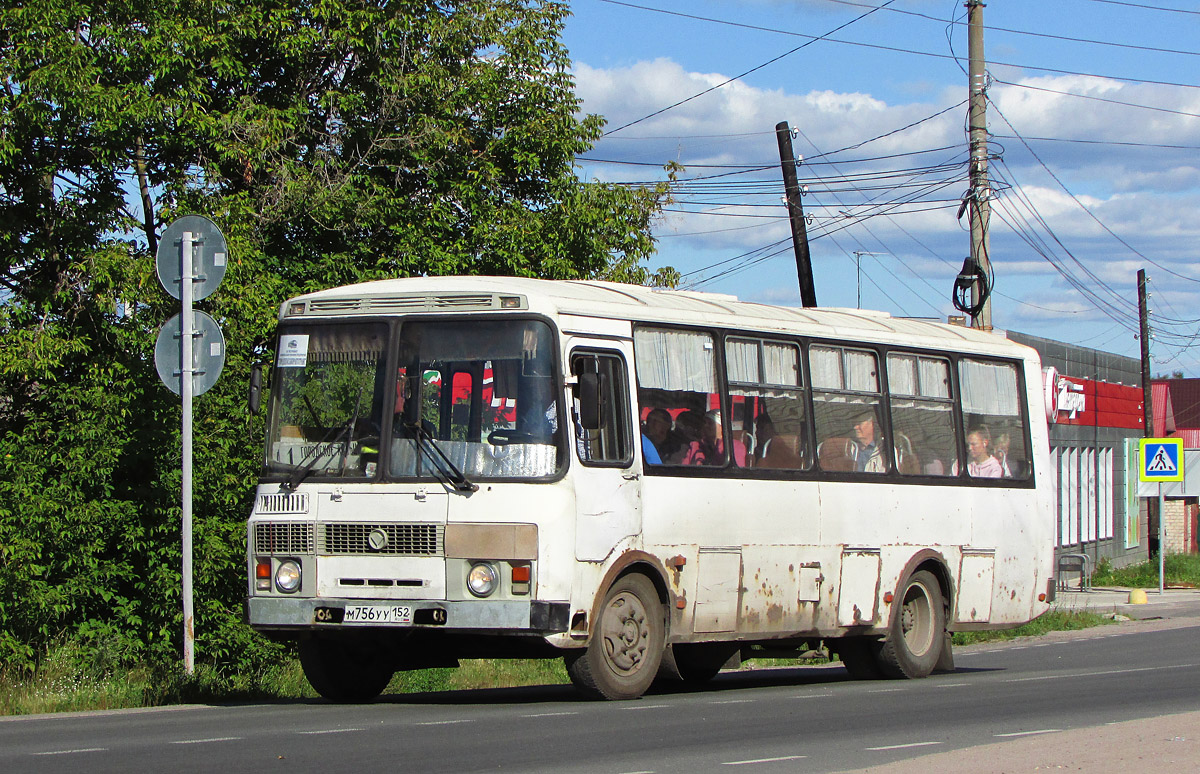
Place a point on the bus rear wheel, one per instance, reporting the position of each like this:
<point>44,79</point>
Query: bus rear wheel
<point>343,673</point>
<point>916,634</point>
<point>627,643</point>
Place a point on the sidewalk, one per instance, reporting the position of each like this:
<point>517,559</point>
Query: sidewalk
<point>1172,603</point>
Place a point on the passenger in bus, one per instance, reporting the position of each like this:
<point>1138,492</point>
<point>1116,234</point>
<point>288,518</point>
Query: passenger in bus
<point>710,448</point>
<point>689,425</point>
<point>869,447</point>
<point>981,463</point>
<point>1000,452</point>
<point>658,431</point>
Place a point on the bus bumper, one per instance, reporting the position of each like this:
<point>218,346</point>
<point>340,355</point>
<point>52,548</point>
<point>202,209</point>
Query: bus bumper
<point>311,614</point>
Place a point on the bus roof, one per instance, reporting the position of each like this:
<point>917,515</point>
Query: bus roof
<point>614,300</point>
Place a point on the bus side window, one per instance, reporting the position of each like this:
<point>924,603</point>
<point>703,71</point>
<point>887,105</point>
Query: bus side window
<point>611,442</point>
<point>993,420</point>
<point>676,374</point>
<point>922,414</point>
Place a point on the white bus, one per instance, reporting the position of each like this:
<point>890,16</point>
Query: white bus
<point>640,482</point>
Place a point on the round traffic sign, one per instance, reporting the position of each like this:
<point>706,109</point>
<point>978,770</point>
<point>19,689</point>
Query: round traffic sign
<point>208,259</point>
<point>208,353</point>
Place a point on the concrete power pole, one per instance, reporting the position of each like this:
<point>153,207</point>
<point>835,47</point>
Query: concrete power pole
<point>791,187</point>
<point>981,191</point>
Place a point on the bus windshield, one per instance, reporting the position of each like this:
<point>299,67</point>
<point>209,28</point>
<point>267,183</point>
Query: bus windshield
<point>485,397</point>
<point>329,381</point>
<point>473,400</point>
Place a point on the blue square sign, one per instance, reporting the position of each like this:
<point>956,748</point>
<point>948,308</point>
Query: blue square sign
<point>1162,459</point>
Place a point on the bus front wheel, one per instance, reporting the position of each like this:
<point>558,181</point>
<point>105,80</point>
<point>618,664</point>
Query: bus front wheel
<point>916,633</point>
<point>342,673</point>
<point>626,648</point>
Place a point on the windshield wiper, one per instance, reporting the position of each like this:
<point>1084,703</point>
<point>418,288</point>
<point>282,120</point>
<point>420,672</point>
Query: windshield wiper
<point>318,451</point>
<point>441,464</point>
<point>310,460</point>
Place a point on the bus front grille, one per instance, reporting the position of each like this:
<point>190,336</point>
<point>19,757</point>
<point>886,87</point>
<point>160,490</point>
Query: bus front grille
<point>283,537</point>
<point>381,539</point>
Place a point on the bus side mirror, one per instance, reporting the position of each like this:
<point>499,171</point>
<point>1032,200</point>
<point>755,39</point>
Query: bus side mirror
<point>590,401</point>
<point>255,399</point>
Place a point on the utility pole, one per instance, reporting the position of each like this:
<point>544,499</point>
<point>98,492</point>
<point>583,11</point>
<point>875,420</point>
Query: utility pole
<point>980,188</point>
<point>1153,514</point>
<point>791,187</point>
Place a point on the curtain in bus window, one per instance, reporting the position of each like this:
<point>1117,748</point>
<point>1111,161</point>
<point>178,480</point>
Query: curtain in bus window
<point>781,364</point>
<point>741,360</point>
<point>935,378</point>
<point>988,388</point>
<point>861,370</point>
<point>674,360</point>
<point>902,374</point>
<point>826,366</point>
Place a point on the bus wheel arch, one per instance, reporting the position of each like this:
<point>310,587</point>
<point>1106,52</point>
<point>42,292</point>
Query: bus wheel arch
<point>916,634</point>
<point>628,634</point>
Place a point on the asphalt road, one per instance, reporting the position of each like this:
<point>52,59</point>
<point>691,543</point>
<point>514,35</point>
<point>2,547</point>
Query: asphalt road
<point>779,720</point>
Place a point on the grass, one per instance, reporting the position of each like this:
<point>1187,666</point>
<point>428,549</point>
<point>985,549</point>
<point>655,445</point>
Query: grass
<point>1053,621</point>
<point>67,679</point>
<point>1180,570</point>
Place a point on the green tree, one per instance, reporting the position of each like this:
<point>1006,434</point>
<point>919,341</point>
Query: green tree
<point>333,141</point>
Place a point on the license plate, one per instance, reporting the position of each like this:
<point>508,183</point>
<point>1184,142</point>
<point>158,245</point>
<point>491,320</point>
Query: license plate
<point>369,614</point>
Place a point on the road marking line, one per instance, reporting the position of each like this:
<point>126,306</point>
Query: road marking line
<point>813,696</point>
<point>764,760</point>
<point>733,701</point>
<point>442,722</point>
<point>645,706</point>
<point>637,772</point>
<point>886,690</point>
<point>549,714</point>
<point>331,731</point>
<point>1030,733</point>
<point>1098,674</point>
<point>949,685</point>
<point>901,746</point>
<point>202,741</point>
<point>70,752</point>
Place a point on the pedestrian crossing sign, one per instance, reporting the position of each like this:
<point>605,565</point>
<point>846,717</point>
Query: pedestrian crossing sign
<point>1162,459</point>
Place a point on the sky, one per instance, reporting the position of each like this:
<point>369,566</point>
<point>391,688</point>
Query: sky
<point>1094,122</point>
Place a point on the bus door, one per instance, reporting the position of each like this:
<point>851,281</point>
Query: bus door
<point>607,493</point>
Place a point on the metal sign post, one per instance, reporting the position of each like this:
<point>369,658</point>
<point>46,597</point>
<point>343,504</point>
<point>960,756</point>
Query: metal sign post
<point>198,268</point>
<point>1162,461</point>
<point>187,327</point>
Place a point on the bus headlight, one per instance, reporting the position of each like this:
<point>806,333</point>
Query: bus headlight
<point>482,579</point>
<point>287,576</point>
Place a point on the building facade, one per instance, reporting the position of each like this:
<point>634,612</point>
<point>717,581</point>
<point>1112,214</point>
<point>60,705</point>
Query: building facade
<point>1094,408</point>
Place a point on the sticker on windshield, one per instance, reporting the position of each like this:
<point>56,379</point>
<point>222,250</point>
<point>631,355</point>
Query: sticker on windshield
<point>293,351</point>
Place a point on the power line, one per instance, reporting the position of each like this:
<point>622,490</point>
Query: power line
<point>1097,99</point>
<point>737,77</point>
<point>1029,33</point>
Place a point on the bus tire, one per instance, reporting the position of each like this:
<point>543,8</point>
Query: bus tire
<point>860,657</point>
<point>341,673</point>
<point>623,656</point>
<point>913,645</point>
